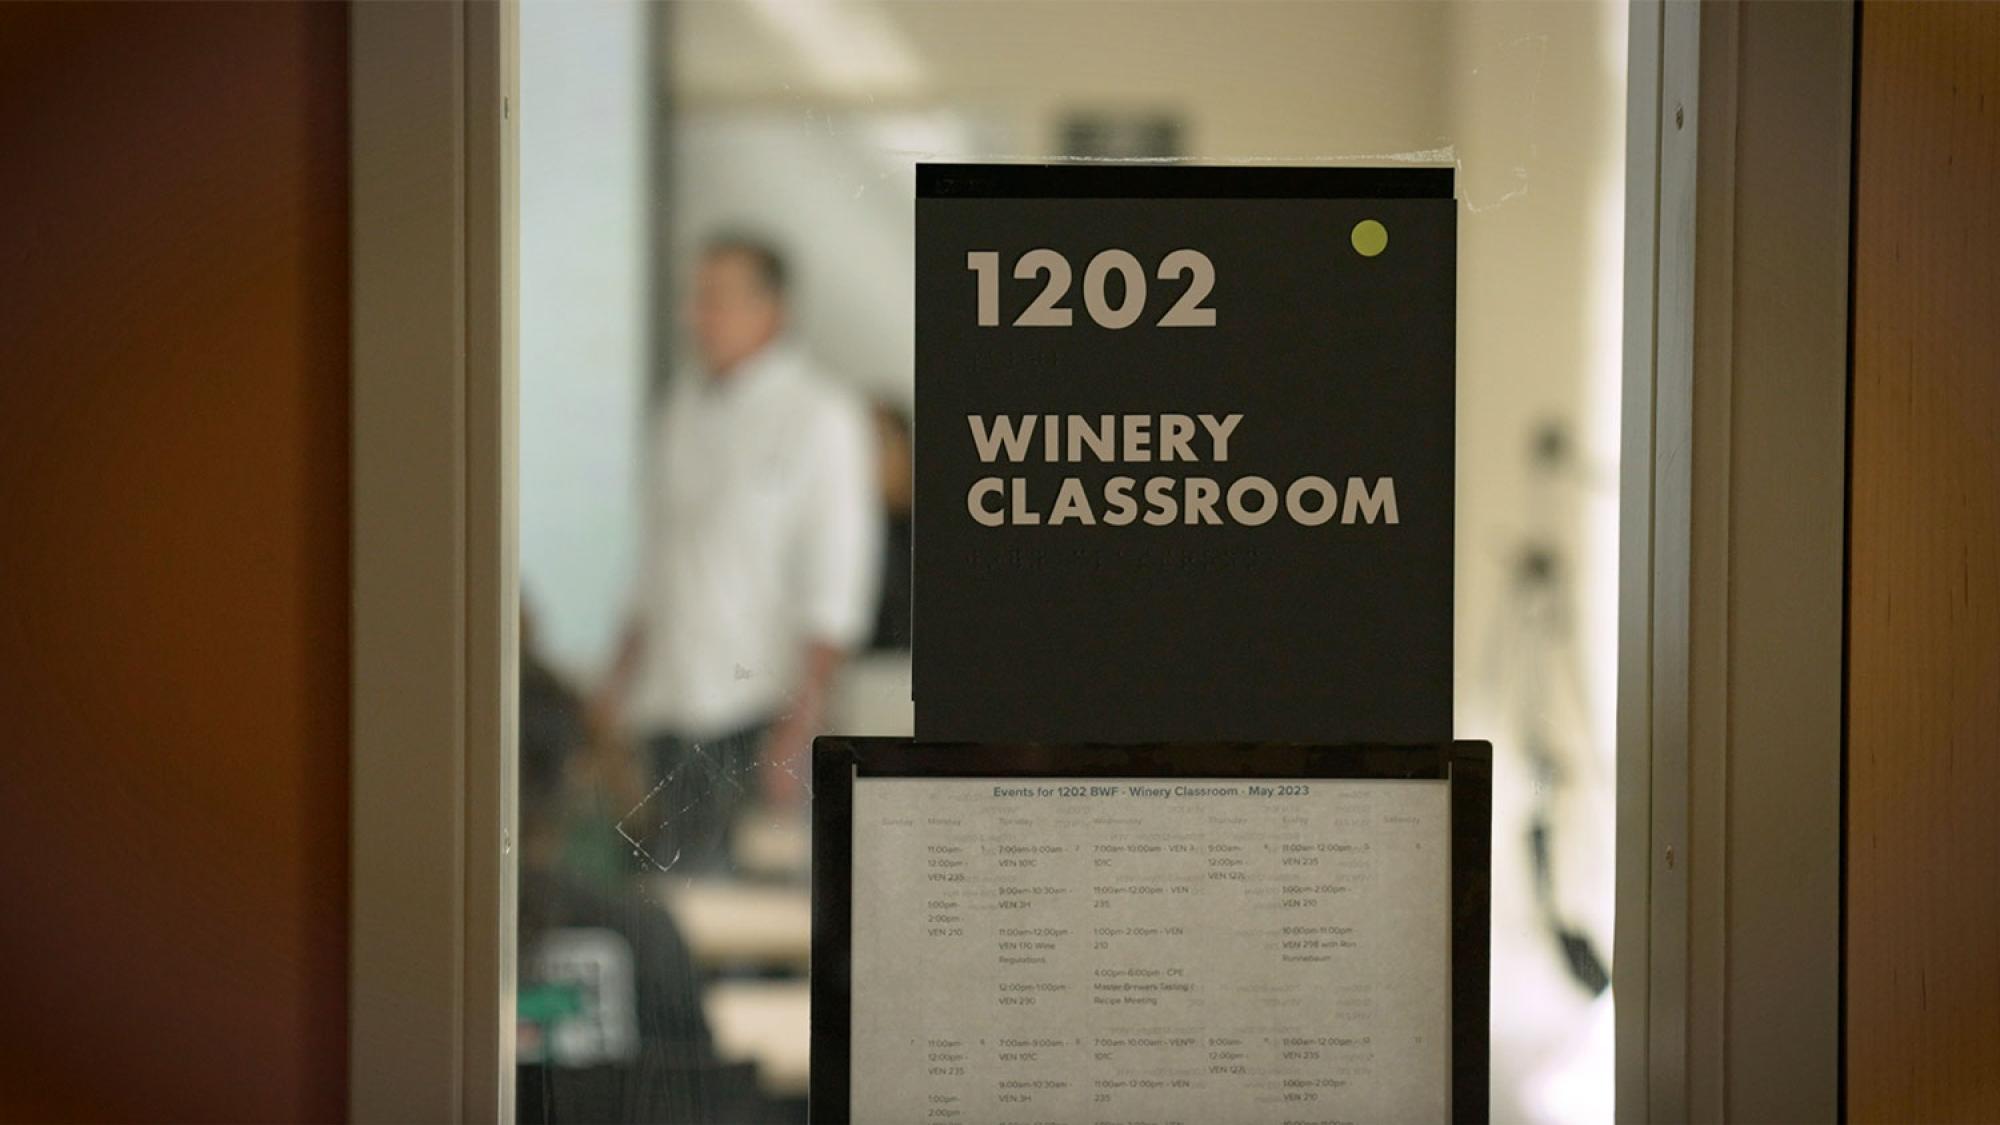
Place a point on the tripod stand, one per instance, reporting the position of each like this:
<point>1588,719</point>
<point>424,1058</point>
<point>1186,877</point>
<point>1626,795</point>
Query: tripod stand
<point>1534,641</point>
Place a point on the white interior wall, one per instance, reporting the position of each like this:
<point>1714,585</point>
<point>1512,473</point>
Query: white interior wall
<point>1537,108</point>
<point>585,216</point>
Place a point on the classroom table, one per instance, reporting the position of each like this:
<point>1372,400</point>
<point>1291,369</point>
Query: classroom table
<point>777,848</point>
<point>734,924</point>
<point>768,1022</point>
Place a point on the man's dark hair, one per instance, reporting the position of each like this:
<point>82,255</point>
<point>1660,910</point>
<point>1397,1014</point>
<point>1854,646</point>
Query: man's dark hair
<point>552,733</point>
<point>763,255</point>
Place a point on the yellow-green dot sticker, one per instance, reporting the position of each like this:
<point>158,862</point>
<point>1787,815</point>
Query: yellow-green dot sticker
<point>1370,238</point>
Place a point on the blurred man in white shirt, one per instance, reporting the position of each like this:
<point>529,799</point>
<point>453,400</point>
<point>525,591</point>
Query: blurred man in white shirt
<point>758,567</point>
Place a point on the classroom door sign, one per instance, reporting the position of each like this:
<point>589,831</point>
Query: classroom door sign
<point>1185,453</point>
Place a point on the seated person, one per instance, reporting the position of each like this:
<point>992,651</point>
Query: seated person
<point>611,1025</point>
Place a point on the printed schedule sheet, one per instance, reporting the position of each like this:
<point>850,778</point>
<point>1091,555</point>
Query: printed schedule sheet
<point>1051,951</point>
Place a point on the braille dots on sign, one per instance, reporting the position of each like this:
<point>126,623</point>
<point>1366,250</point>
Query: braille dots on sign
<point>1369,237</point>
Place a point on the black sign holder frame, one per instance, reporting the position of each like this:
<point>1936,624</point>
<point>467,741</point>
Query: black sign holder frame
<point>1411,699</point>
<point>837,761</point>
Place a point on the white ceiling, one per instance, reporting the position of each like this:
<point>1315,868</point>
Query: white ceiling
<point>1284,77</point>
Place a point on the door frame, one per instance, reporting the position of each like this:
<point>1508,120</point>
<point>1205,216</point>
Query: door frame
<point>1732,585</point>
<point>431,909</point>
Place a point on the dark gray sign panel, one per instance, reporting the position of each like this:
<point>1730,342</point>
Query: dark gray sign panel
<point>1184,453</point>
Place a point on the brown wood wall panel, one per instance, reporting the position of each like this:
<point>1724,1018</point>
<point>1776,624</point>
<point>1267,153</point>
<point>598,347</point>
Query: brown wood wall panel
<point>173,562</point>
<point>1923,846</point>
